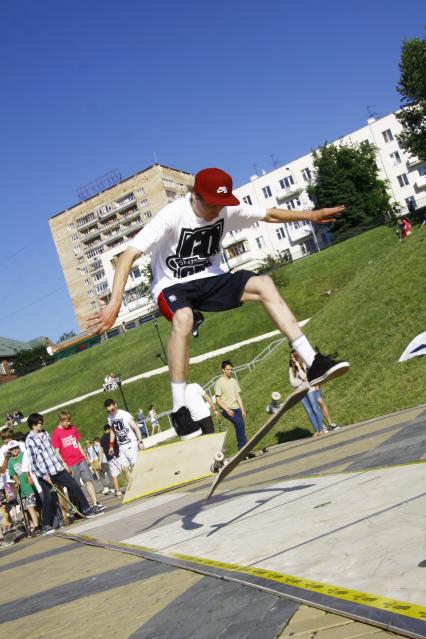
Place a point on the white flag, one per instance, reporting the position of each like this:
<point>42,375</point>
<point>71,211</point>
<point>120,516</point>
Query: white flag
<point>415,348</point>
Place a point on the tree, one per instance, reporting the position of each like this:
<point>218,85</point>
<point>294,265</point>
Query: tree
<point>30,359</point>
<point>66,335</point>
<point>349,175</point>
<point>412,87</point>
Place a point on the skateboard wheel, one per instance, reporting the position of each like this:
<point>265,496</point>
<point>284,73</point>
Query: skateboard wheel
<point>219,456</point>
<point>276,396</point>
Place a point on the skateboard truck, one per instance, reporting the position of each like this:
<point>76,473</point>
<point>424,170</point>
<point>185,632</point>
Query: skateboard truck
<point>275,403</point>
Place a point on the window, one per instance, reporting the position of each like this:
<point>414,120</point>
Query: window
<point>387,135</point>
<point>86,283</point>
<point>107,208</point>
<point>90,293</point>
<point>92,304</point>
<point>307,174</point>
<point>247,199</point>
<point>403,180</point>
<point>286,182</point>
<point>411,203</point>
<point>260,242</point>
<point>294,203</point>
<point>236,249</point>
<point>255,225</point>
<point>140,191</point>
<point>99,275</point>
<point>71,226</point>
<point>85,219</point>
<point>395,157</point>
<point>80,259</point>
<point>267,192</point>
<point>147,214</point>
<point>74,237</point>
<point>422,170</point>
<point>83,270</point>
<point>135,273</point>
<point>280,233</point>
<point>144,202</point>
<point>100,288</point>
<point>77,249</point>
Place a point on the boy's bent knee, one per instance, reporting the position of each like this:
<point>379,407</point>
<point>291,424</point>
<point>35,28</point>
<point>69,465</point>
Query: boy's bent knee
<point>183,319</point>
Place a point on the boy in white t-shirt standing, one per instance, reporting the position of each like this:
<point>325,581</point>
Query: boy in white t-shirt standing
<point>184,240</point>
<point>125,432</point>
<point>199,403</point>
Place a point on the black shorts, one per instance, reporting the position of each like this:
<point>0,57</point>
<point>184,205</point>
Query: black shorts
<point>216,293</point>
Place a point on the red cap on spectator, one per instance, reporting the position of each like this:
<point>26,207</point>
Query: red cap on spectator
<point>215,187</point>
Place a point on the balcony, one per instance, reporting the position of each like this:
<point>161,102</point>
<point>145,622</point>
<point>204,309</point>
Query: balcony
<point>93,233</point>
<point>83,225</point>
<point>413,161</point>
<point>96,266</point>
<point>420,183</point>
<point>298,231</point>
<point>287,193</point>
<point>230,240</point>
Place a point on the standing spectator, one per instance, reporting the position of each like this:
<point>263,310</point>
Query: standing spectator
<point>50,470</point>
<point>152,416</point>
<point>18,468</point>
<point>112,454</point>
<point>228,396</point>
<point>66,441</point>
<point>324,410</point>
<point>142,422</point>
<point>125,430</point>
<point>92,459</point>
<point>103,465</point>
<point>297,376</point>
<point>199,404</point>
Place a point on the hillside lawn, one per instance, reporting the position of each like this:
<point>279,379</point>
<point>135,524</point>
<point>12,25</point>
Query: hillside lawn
<point>375,308</point>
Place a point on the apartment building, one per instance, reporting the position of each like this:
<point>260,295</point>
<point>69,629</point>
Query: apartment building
<point>286,186</point>
<point>90,235</point>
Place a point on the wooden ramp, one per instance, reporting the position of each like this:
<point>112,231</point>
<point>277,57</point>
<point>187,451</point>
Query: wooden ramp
<point>173,465</point>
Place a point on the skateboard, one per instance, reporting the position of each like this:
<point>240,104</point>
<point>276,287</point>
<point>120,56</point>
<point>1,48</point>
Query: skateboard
<point>73,507</point>
<point>226,469</point>
<point>173,465</point>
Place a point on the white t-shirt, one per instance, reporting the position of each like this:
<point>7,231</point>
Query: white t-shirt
<point>122,429</point>
<point>186,247</point>
<point>194,397</point>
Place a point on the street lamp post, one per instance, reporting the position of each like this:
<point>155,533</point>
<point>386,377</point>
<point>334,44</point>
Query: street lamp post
<point>120,388</point>
<point>164,360</point>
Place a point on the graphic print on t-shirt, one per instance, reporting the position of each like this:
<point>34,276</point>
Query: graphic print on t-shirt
<point>121,431</point>
<point>194,249</point>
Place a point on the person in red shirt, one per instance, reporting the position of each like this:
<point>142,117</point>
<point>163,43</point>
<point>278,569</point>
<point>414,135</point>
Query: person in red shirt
<point>66,441</point>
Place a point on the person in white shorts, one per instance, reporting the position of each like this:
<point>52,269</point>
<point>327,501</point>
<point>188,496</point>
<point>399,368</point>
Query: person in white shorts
<point>199,404</point>
<point>125,432</point>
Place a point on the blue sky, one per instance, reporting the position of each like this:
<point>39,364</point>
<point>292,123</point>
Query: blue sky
<point>96,85</point>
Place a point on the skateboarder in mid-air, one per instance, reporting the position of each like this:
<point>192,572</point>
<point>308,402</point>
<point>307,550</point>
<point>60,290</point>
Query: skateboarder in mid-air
<point>184,242</point>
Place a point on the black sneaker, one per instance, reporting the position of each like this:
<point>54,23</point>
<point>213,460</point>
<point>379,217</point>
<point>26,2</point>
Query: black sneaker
<point>92,512</point>
<point>183,424</point>
<point>324,369</point>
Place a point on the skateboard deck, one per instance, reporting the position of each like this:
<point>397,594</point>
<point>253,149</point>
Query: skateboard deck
<point>73,508</point>
<point>288,404</point>
<point>172,465</point>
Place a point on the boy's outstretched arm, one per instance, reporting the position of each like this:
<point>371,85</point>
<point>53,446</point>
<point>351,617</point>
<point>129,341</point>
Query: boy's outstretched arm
<point>318,216</point>
<point>106,316</point>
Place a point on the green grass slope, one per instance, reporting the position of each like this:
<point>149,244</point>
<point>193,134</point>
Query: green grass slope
<point>302,284</point>
<point>375,308</point>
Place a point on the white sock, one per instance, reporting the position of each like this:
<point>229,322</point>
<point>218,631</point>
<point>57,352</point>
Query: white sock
<point>178,395</point>
<point>303,348</point>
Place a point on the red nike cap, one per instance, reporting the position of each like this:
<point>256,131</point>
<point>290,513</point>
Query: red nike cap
<point>215,187</point>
